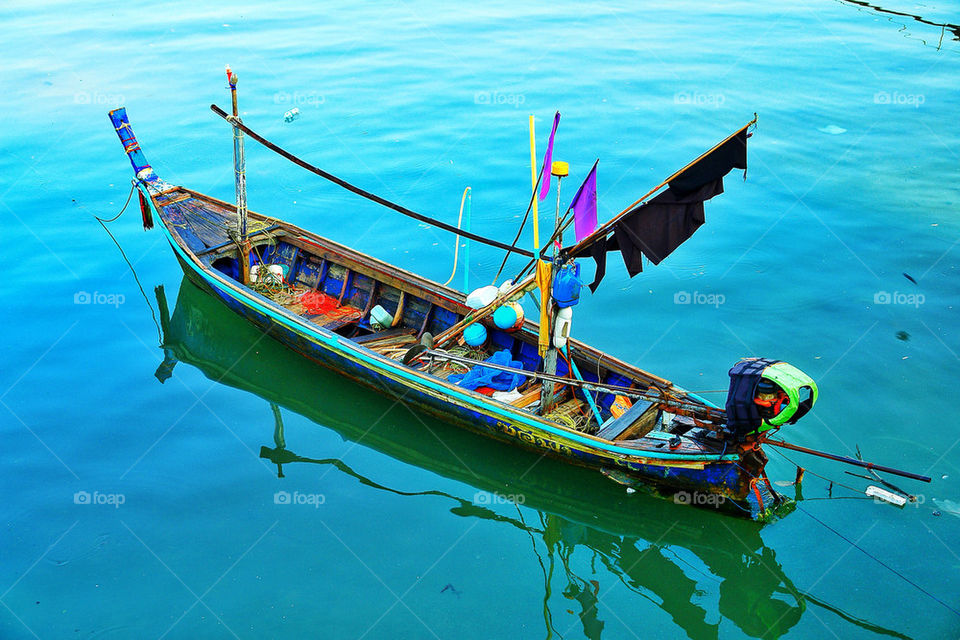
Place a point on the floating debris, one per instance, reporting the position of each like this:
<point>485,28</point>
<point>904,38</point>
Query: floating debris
<point>832,130</point>
<point>909,277</point>
<point>291,115</point>
<point>951,507</point>
<point>886,496</point>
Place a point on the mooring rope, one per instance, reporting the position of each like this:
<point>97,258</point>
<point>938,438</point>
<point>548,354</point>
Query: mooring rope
<point>858,547</point>
<point>879,561</point>
<point>103,223</point>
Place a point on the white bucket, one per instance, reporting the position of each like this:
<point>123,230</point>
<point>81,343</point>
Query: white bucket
<point>274,273</point>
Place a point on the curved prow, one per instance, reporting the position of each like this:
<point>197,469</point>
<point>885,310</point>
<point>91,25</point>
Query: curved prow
<point>122,126</point>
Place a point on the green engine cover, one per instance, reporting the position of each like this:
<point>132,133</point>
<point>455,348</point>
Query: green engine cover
<point>795,384</point>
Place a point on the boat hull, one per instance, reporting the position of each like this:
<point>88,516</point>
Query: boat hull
<point>702,470</point>
<point>723,486</point>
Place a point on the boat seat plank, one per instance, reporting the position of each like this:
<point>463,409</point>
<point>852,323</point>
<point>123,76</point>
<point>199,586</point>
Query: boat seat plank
<point>681,425</point>
<point>530,396</point>
<point>334,321</point>
<point>231,243</point>
<point>392,346</point>
<point>636,422</point>
<point>389,334</point>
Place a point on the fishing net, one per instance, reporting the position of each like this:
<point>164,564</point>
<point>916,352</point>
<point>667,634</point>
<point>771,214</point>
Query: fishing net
<point>319,303</point>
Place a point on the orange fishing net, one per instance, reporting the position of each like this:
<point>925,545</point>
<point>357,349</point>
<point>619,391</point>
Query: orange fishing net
<point>317,302</point>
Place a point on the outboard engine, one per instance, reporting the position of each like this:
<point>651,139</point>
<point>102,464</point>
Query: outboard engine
<point>766,393</point>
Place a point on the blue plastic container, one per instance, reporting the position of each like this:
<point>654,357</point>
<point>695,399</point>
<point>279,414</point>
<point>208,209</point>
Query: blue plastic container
<point>566,285</point>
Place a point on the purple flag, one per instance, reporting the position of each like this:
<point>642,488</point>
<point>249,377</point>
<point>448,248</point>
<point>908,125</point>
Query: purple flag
<point>584,206</point>
<point>548,159</point>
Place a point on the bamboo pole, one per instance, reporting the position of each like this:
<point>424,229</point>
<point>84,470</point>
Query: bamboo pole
<point>241,182</point>
<point>522,287</point>
<point>847,460</point>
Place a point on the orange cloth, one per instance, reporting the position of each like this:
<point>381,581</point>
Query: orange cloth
<point>544,280</point>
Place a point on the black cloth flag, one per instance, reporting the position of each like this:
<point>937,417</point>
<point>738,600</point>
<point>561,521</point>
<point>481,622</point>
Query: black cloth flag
<point>732,154</point>
<point>654,229</point>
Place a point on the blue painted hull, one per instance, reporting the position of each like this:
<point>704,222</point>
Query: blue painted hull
<point>688,485</point>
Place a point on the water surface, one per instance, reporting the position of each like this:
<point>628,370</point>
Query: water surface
<point>403,530</point>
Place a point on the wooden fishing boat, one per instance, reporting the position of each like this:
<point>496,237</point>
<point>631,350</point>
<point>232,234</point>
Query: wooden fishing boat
<point>326,302</point>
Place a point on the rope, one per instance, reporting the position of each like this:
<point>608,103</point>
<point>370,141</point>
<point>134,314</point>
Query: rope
<point>879,561</point>
<point>133,186</point>
<point>366,194</point>
<point>456,245</point>
<point>814,473</point>
<point>103,223</point>
<point>861,549</point>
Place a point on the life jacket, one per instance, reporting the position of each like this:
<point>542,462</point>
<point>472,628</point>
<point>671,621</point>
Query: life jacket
<point>795,395</point>
<point>743,414</point>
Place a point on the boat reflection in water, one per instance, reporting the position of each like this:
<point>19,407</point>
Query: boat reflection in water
<point>651,545</point>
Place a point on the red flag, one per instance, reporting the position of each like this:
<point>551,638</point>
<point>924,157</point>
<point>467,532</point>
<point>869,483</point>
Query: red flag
<point>548,160</point>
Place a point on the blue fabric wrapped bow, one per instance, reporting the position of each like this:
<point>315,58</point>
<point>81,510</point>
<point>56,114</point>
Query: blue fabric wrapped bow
<point>481,376</point>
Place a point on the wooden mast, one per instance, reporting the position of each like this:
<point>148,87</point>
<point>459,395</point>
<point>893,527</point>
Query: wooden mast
<point>239,169</point>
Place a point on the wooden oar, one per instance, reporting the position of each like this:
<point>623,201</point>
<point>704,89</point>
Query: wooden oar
<point>853,461</point>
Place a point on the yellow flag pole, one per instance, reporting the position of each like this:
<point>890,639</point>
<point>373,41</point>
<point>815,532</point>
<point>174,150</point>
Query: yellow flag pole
<point>533,185</point>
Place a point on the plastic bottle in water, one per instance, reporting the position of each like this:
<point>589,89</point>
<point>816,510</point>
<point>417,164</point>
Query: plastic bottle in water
<point>291,115</point>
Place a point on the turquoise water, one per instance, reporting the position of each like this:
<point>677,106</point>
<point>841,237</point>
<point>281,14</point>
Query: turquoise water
<point>403,529</point>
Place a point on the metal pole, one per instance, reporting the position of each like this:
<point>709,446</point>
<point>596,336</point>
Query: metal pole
<point>556,221</point>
